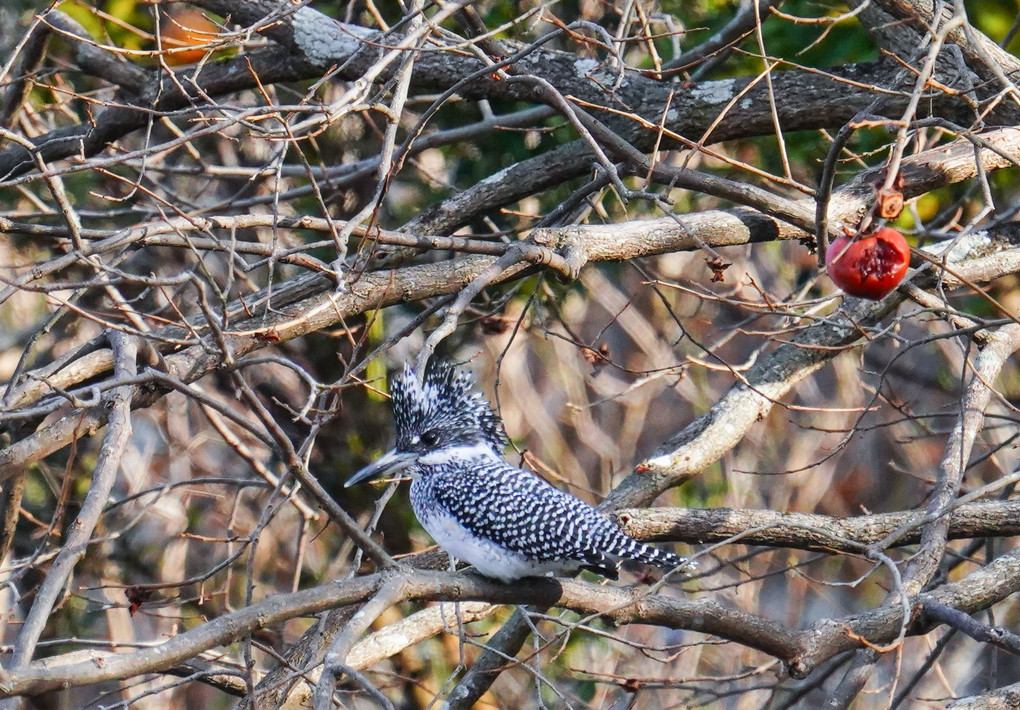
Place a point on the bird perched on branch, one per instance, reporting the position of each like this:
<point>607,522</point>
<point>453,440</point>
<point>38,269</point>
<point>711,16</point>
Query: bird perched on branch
<point>507,522</point>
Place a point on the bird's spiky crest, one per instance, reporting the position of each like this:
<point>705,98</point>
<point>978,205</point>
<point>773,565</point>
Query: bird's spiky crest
<point>444,399</point>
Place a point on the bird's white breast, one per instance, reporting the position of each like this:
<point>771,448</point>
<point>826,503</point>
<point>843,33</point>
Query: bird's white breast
<point>487,557</point>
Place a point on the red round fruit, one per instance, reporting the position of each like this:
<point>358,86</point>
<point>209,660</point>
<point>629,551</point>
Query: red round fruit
<point>870,266</point>
<point>187,28</point>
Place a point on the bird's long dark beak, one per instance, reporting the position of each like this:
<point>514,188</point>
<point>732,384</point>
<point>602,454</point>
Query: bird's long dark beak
<point>391,462</point>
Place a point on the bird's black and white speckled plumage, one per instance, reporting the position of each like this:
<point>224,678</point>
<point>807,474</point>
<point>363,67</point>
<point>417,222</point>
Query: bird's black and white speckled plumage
<point>505,521</point>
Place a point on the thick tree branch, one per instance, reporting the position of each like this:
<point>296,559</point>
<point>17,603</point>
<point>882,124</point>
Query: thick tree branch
<point>805,531</point>
<point>801,650</point>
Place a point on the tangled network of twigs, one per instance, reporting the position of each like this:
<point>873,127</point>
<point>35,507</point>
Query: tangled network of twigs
<point>224,222</point>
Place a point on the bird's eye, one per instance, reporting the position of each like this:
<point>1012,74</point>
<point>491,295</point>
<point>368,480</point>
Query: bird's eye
<point>430,438</point>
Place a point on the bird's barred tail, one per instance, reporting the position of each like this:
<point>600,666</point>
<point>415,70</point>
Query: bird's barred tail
<point>666,561</point>
<point>662,559</point>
